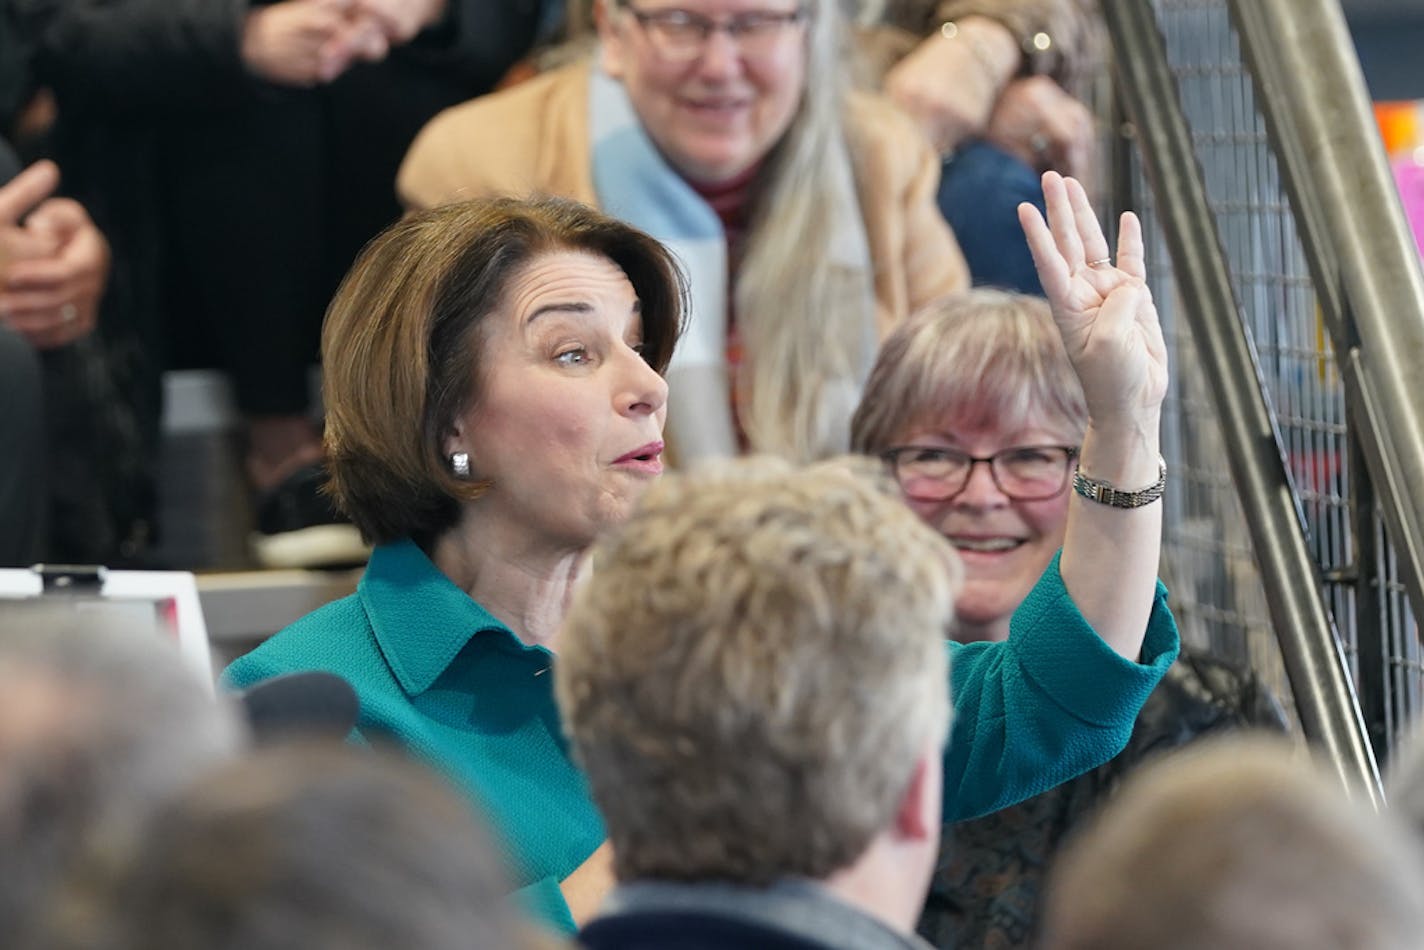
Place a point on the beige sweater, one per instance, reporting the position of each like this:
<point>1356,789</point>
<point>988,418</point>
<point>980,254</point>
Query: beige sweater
<point>534,139</point>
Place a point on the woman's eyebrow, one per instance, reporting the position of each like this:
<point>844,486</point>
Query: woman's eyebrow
<point>561,306</point>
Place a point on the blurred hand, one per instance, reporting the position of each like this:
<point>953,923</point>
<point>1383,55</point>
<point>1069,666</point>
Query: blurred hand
<point>51,286</point>
<point>950,85</point>
<point>1104,311</point>
<point>308,42</point>
<point>401,20</point>
<point>17,197</point>
<point>1043,125</point>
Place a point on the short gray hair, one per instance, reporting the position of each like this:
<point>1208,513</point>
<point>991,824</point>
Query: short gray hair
<point>753,667</point>
<point>979,356</point>
<point>1237,844</point>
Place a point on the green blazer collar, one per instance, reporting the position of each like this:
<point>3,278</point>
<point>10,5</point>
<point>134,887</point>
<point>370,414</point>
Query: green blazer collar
<point>421,620</point>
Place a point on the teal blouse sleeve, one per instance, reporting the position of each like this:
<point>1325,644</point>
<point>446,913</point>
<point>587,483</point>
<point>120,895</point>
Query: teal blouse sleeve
<point>543,902</point>
<point>1048,704</point>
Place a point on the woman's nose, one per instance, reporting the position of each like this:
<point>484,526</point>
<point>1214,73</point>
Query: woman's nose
<point>980,490</point>
<point>720,56</point>
<point>643,389</point>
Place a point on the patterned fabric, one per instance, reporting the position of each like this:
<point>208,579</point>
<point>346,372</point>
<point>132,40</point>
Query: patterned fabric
<point>985,892</point>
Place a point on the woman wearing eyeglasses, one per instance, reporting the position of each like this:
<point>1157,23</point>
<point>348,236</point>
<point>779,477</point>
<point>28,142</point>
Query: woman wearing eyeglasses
<point>805,214</point>
<point>975,407</point>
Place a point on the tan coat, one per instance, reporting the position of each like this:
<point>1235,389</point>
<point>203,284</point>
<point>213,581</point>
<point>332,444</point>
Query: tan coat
<point>534,139</point>
<point>1073,57</point>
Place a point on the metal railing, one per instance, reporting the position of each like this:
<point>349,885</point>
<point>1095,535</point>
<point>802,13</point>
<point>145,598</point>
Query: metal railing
<point>1281,544</point>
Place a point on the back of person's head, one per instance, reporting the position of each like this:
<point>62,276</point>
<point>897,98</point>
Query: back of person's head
<point>97,728</point>
<point>974,359</point>
<point>315,845</point>
<point>1237,844</point>
<point>753,668</point>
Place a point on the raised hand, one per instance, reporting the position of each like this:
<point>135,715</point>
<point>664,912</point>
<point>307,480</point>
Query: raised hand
<point>1109,327</point>
<point>1103,309</point>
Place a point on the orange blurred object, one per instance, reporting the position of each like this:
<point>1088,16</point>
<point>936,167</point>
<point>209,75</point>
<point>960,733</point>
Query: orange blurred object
<point>1399,126</point>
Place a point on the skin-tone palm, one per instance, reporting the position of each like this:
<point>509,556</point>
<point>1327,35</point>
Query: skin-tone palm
<point>1104,311</point>
<point>1110,331</point>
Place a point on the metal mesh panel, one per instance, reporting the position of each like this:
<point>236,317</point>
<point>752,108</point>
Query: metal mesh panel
<point>1207,555</point>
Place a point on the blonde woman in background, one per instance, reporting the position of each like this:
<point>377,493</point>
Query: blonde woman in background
<point>804,213</point>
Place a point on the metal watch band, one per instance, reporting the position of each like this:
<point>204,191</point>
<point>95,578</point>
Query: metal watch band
<point>1104,493</point>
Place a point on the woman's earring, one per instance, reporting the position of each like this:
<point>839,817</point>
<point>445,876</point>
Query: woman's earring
<point>460,464</point>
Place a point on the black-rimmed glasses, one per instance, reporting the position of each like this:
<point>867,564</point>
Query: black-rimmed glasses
<point>683,35</point>
<point>1022,473</point>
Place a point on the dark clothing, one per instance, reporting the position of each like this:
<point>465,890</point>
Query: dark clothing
<point>309,178</point>
<point>980,190</point>
<point>121,71</point>
<point>232,207</point>
<point>789,915</point>
<point>987,888</point>
<point>22,470</point>
<point>22,473</point>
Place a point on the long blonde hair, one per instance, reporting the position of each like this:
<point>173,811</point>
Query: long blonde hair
<point>807,319</point>
<point>805,311</point>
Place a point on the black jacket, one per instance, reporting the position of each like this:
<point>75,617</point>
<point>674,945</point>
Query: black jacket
<point>232,207</point>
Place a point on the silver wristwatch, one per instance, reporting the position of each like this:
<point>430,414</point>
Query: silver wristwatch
<point>1104,493</point>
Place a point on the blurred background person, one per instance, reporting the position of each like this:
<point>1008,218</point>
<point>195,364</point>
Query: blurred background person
<point>54,266</point>
<point>98,727</point>
<point>975,408</point>
<point>1001,89</point>
<point>237,154</point>
<point>803,212</point>
<point>1240,845</point>
<point>320,846</point>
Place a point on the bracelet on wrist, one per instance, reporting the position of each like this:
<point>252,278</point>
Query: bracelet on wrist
<point>1105,493</point>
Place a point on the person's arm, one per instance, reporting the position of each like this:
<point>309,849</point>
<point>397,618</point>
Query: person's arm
<point>171,56</point>
<point>972,51</point>
<point>134,55</point>
<point>1110,330</point>
<point>1046,705</point>
<point>951,81</point>
<point>1060,39</point>
<point>1094,636</point>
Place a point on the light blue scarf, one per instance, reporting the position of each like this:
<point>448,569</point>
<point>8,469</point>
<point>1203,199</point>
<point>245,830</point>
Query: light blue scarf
<point>636,184</point>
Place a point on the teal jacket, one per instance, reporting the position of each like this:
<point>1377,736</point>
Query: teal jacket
<point>438,674</point>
